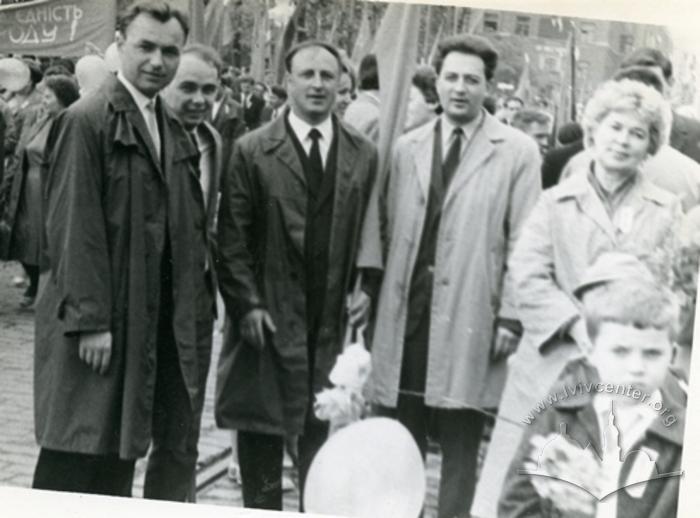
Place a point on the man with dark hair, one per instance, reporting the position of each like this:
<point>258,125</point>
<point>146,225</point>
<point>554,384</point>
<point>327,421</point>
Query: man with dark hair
<point>458,193</point>
<point>289,226</point>
<point>251,103</point>
<point>536,124</point>
<point>170,473</point>
<point>116,363</point>
<point>276,104</point>
<point>363,113</point>
<point>685,132</point>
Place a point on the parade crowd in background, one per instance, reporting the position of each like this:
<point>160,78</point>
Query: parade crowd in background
<point>495,260</point>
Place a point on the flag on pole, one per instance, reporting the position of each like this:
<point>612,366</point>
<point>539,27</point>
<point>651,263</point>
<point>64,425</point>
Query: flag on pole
<point>438,37</point>
<point>259,42</point>
<point>396,48</point>
<point>364,40</point>
<point>286,41</point>
<point>197,31</point>
<point>218,29</point>
<point>524,85</point>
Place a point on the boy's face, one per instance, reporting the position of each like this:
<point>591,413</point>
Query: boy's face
<point>625,355</point>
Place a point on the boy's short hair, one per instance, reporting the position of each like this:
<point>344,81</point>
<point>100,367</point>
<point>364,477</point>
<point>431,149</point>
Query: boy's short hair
<point>640,303</point>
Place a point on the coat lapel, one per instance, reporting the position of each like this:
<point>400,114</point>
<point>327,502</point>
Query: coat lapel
<point>346,158</point>
<point>423,156</point>
<point>480,147</point>
<point>278,142</point>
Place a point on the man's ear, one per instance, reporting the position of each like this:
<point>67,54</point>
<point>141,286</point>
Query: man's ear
<point>119,39</point>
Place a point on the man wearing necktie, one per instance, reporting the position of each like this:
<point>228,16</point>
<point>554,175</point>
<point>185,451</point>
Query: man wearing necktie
<point>458,191</point>
<point>116,365</point>
<point>292,208</point>
<point>171,472</point>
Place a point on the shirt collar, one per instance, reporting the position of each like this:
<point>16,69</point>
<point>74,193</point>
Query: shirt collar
<point>468,129</point>
<point>301,128</point>
<point>139,98</point>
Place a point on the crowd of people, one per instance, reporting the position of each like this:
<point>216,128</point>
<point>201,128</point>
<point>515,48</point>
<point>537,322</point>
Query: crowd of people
<point>490,264</point>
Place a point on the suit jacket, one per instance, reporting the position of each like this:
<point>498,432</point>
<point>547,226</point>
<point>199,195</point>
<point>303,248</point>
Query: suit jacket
<point>262,263</point>
<point>685,136</point>
<point>252,112</point>
<point>492,192</point>
<point>110,203</point>
<point>555,161</point>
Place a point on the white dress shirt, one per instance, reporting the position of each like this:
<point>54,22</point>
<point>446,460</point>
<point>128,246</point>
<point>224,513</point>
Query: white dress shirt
<point>301,129</point>
<point>142,102</point>
<point>468,130</point>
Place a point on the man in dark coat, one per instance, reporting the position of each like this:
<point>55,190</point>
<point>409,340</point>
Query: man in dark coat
<point>251,102</point>
<point>290,220</point>
<point>115,352</point>
<point>171,473</point>
<point>227,118</point>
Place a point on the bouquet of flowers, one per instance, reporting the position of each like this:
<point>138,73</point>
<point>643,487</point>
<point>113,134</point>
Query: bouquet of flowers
<point>344,403</point>
<point>565,474</point>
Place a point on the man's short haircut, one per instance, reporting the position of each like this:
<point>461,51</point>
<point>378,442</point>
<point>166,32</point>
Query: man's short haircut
<point>159,10</point>
<point>524,118</point>
<point>648,57</point>
<point>207,54</point>
<point>64,87</point>
<point>516,99</point>
<point>309,44</point>
<point>643,75</point>
<point>279,92</point>
<point>368,73</point>
<point>246,79</point>
<point>468,44</point>
<point>640,303</point>
<point>570,133</point>
<point>35,73</point>
<point>424,79</point>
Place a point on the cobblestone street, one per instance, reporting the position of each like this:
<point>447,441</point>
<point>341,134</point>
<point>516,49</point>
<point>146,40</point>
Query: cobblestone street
<point>18,449</point>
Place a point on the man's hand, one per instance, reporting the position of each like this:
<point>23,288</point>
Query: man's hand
<point>95,349</point>
<point>253,327</point>
<point>504,343</point>
<point>358,308</point>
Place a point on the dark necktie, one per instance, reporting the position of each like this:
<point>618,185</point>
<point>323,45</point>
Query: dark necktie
<point>315,162</point>
<point>449,166</point>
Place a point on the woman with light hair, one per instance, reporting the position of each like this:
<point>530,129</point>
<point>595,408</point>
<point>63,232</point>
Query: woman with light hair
<point>608,206</point>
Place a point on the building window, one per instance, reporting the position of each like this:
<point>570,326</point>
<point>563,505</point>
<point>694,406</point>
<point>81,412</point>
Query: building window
<point>522,25</point>
<point>626,43</point>
<point>490,22</point>
<point>587,31</point>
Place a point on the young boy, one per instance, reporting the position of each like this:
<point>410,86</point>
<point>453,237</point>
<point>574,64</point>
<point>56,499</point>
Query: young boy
<point>620,411</point>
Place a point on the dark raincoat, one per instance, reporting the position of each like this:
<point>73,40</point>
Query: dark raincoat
<point>108,200</point>
<point>261,231</point>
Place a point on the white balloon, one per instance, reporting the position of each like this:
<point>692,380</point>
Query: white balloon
<point>368,469</point>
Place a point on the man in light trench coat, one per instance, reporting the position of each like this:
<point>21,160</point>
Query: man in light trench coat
<point>459,190</point>
<point>292,210</point>
<point>115,360</point>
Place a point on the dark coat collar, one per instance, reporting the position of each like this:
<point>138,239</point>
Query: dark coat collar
<point>580,372</point>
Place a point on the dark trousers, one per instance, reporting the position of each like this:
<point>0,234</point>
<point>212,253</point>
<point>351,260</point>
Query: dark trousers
<point>260,457</point>
<point>459,434</point>
<point>172,462</point>
<point>32,272</point>
<point>81,473</point>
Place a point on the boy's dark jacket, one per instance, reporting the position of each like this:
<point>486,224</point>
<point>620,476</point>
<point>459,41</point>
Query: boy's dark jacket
<point>660,498</point>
